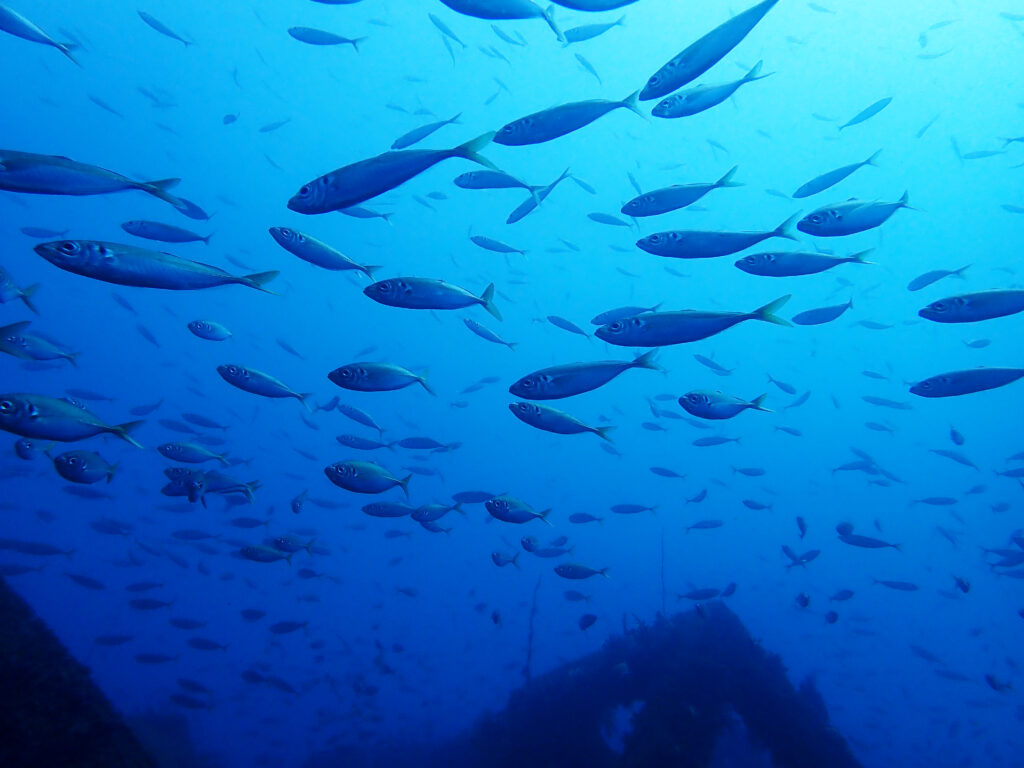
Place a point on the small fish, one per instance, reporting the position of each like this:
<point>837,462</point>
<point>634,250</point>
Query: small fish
<point>259,383</point>
<point>487,334</point>
<point>428,293</point>
<point>313,36</point>
<point>315,252</point>
<point>821,315</point>
<point>558,121</point>
<point>706,404</point>
<point>675,197</point>
<point>364,477</point>
<point>552,420</point>
<point>849,217</point>
<point>575,571</point>
<point>375,377</point>
<point>700,244</point>
<point>867,112</point>
<point>831,178</point>
<point>162,28</point>
<point>209,330</point>
<point>923,281</point>
<point>166,233</point>
<point>575,378</point>
<point>417,135</point>
<point>700,98</point>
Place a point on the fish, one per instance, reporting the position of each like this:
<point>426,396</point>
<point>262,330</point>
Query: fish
<point>190,453</point>
<point>700,98</point>
<point>899,586</point>
<point>361,181</point>
<point>795,263</point>
<point>259,383</point>
<point>821,315</point>
<point>417,135</point>
<point>706,404</point>
<point>55,175</point>
<point>866,542</point>
<point>141,268</point>
<point>9,291</point>
<point>576,572</point>
<point>365,477</point>
<point>209,330</point>
<point>490,180</point>
<point>509,509</point>
<point>559,121</point>
<point>700,56</point>
<point>13,23</point>
<point>575,378</point>
<point>537,196</point>
<point>923,281</point>
<point>831,178</point>
<point>162,28</point>
<point>966,382</point>
<point>657,329</point>
<point>701,244</point>
<point>552,420</point>
<point>85,467</point>
<point>673,198</point>
<point>589,31</point>
<point>315,252</point>
<point>15,340</point>
<point>428,293</point>
<point>975,307</point>
<point>503,10</point>
<point>314,36</point>
<point>849,217</point>
<point>487,334</point>
<point>376,377</point>
<point>166,233</point>
<point>49,418</point>
<point>867,112</point>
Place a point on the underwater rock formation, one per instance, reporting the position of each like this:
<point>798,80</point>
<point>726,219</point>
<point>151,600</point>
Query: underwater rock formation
<point>682,682</point>
<point>51,713</point>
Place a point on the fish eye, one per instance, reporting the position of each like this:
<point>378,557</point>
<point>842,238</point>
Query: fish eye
<point>305,190</point>
<point>68,247</point>
<point>815,218</point>
<point>654,239</point>
<point>616,326</point>
<point>285,232</point>
<point>346,373</point>
<point>71,461</point>
<point>938,306</point>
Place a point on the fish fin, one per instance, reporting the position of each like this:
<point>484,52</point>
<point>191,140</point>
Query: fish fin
<point>123,430</point>
<point>422,379</point>
<point>512,345</point>
<point>369,269</point>
<point>113,469</point>
<point>259,279</point>
<point>756,405</point>
<point>355,43</point>
<point>755,73</point>
<point>223,459</point>
<point>547,14</point>
<point>783,229</point>
<point>159,189</point>
<point>309,545</point>
<point>767,312</point>
<point>602,432</point>
<point>646,360</point>
<point>455,120</point>
<point>544,516</point>
<point>515,560</point>
<point>26,297</point>
<point>15,327</point>
<point>404,484</point>
<point>871,160</point>
<point>487,300</point>
<point>470,150</point>
<point>206,240</point>
<point>603,572</point>
<point>303,398</point>
<point>630,103</point>
<point>904,202</point>
<point>960,272</point>
<point>726,180</point>
<point>72,357</point>
<point>858,258</point>
<point>66,49</point>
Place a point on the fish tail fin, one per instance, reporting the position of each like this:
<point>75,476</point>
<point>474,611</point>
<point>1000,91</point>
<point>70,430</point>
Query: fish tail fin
<point>631,103</point>
<point>755,73</point>
<point>602,432</point>
<point>487,300</point>
<point>544,516</point>
<point>904,202</point>
<point>871,160</point>
<point>767,312</point>
<point>756,404</point>
<point>859,257</point>
<point>604,572</point>
<point>960,272</point>
<point>512,345</point>
<point>66,49</point>
<point>26,297</point>
<point>355,43</point>
<point>369,269</point>
<point>258,280</point>
<point>471,150</point>
<point>515,560</point>
<point>288,557</point>
<point>113,470</point>
<point>646,360</point>
<point>783,229</point>
<point>726,180</point>
<point>387,218</point>
<point>223,459</point>
<point>897,547</point>
<point>303,397</point>
<point>455,120</point>
<point>404,485</point>
<point>547,14</point>
<point>309,546</point>
<point>123,431</point>
<point>206,240</point>
<point>159,189</point>
<point>422,379</point>
<point>458,508</point>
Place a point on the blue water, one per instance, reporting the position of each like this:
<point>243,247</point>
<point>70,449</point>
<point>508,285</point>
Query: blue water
<point>378,663</point>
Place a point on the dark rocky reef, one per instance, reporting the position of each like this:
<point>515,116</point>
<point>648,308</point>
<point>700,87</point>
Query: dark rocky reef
<point>696,689</point>
<point>51,713</point>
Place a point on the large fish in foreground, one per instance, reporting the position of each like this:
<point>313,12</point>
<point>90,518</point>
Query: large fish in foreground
<point>502,10</point>
<point>659,329</point>
<point>699,57</point>
<point>850,217</point>
<point>356,183</point>
<point>48,418</point>
<point>974,307</point>
<point>141,268</point>
<point>966,382</point>
<point>700,244</point>
<point>427,293</point>
<point>558,121</point>
<point>55,175</point>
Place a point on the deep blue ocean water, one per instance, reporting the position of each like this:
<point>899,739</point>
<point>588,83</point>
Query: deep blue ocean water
<point>418,632</point>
